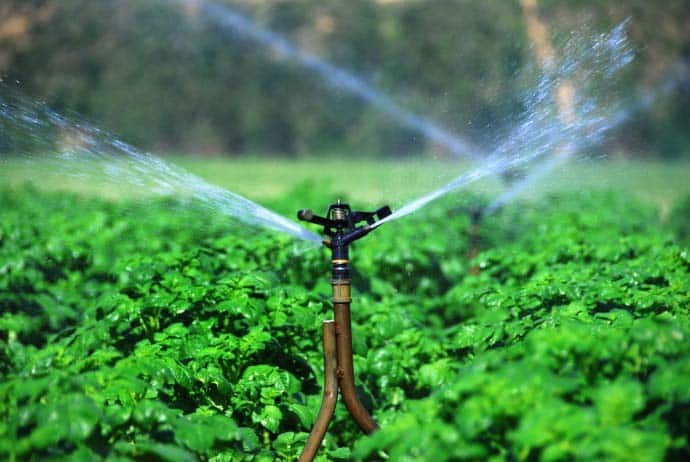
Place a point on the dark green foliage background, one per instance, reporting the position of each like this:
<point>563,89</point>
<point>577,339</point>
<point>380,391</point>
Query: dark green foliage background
<point>167,80</point>
<point>155,332</point>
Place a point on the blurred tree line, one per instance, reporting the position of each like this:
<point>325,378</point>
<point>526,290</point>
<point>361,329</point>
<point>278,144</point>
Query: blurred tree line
<point>167,79</point>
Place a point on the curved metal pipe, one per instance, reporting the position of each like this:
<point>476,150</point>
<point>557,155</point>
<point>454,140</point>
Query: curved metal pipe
<point>330,393</point>
<point>346,374</point>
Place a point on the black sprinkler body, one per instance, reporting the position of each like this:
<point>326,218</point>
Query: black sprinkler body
<point>342,227</point>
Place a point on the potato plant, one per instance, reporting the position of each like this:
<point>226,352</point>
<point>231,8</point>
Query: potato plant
<point>155,331</point>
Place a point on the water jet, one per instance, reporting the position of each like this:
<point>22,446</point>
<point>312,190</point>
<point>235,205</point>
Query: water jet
<point>336,77</point>
<point>58,147</point>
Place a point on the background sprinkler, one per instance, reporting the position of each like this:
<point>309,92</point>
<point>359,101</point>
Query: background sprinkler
<point>342,227</point>
<point>476,216</point>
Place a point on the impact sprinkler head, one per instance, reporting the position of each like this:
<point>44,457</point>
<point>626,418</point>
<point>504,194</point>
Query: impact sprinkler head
<point>342,226</point>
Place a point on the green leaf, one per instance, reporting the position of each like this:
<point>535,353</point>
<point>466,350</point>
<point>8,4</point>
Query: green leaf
<point>269,417</point>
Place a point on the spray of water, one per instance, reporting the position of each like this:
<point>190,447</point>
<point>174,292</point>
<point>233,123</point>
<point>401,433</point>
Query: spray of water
<point>621,114</point>
<point>539,173</point>
<point>549,165</point>
<point>338,78</point>
<point>72,149</point>
<point>540,132</point>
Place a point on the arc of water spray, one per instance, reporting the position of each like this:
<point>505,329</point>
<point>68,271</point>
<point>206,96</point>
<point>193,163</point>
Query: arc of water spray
<point>511,153</point>
<point>334,76</point>
<point>564,98</point>
<point>95,155</point>
<point>494,166</point>
<point>498,163</point>
<point>676,78</point>
<point>542,132</point>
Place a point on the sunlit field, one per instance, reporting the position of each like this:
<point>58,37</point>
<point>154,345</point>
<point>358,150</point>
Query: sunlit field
<point>369,182</point>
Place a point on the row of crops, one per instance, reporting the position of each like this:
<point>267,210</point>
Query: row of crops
<point>152,331</point>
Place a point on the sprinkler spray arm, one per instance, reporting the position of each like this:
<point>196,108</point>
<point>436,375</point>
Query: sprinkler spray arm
<point>341,224</point>
<point>342,227</point>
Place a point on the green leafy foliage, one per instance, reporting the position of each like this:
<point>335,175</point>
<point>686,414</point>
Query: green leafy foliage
<point>155,332</point>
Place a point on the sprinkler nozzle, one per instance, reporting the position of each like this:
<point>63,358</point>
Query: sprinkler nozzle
<point>305,215</point>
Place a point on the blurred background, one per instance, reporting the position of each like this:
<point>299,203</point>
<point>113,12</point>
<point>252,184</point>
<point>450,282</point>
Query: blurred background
<point>168,80</point>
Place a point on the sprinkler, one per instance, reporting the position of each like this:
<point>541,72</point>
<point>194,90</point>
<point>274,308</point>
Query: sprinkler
<point>341,227</point>
<point>476,215</point>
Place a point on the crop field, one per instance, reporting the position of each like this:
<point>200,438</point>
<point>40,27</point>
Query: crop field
<point>375,181</point>
<point>378,231</point>
<point>146,328</point>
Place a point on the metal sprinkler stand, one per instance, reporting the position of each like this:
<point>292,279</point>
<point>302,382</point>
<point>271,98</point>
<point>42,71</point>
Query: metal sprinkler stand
<point>340,225</point>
